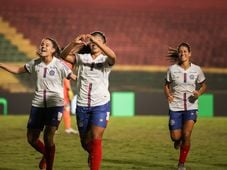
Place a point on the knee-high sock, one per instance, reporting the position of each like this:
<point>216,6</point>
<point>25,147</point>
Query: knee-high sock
<point>50,152</point>
<point>39,146</point>
<point>96,154</point>
<point>183,153</point>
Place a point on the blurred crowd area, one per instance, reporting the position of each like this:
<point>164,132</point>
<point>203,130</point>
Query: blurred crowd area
<point>140,33</point>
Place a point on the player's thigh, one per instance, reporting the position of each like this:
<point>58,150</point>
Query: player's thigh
<point>33,135</point>
<point>49,133</point>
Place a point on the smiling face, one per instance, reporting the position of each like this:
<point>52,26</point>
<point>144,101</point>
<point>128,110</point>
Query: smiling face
<point>46,48</point>
<point>184,54</point>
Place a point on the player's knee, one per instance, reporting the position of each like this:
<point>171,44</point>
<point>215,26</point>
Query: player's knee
<point>49,141</point>
<point>175,138</point>
<point>31,141</point>
<point>84,146</point>
<point>187,135</point>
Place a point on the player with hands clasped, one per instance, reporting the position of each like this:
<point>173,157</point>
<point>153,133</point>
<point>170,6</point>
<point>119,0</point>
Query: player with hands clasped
<point>47,105</point>
<point>94,60</point>
<point>182,93</point>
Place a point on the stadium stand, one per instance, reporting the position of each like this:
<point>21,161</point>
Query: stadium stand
<point>9,52</point>
<point>139,32</point>
<point>139,35</point>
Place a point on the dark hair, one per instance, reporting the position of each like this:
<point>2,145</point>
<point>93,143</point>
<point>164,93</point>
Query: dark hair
<point>183,44</point>
<point>173,53</point>
<point>101,34</point>
<point>55,46</point>
<point>85,50</point>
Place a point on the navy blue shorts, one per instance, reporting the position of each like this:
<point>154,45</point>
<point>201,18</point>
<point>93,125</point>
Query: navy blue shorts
<point>40,117</point>
<point>87,116</point>
<point>177,118</point>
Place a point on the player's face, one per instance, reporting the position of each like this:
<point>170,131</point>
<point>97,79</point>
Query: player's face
<point>184,54</point>
<point>46,48</point>
<point>94,48</point>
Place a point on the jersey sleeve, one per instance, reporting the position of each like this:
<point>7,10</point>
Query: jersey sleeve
<point>107,62</point>
<point>29,66</point>
<point>168,76</point>
<point>66,71</point>
<point>201,77</point>
<point>78,59</point>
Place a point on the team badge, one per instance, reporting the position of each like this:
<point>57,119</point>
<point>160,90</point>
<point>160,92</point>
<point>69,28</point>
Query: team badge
<point>52,72</point>
<point>191,77</point>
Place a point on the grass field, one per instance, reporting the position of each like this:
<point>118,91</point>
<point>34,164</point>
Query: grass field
<point>137,143</point>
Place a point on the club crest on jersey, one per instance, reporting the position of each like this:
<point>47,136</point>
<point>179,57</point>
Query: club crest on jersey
<point>191,77</point>
<point>52,72</point>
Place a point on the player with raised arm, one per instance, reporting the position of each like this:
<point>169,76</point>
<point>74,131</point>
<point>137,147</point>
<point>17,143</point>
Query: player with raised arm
<point>93,97</point>
<point>47,105</point>
<point>182,93</point>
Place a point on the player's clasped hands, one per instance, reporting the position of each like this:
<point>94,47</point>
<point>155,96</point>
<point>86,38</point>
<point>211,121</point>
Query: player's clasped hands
<point>84,39</point>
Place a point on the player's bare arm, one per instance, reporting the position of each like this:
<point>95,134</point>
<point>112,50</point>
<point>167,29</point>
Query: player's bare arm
<point>73,47</point>
<point>201,90</point>
<point>73,76</point>
<point>106,50</point>
<point>12,68</point>
<point>167,92</point>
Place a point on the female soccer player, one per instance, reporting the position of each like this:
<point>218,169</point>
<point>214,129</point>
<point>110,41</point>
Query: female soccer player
<point>93,97</point>
<point>182,93</point>
<point>48,102</point>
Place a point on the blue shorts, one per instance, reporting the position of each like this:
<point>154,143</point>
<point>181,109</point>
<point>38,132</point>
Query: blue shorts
<point>39,117</point>
<point>87,116</point>
<point>177,118</point>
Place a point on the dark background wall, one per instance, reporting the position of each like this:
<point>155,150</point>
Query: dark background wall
<point>145,103</point>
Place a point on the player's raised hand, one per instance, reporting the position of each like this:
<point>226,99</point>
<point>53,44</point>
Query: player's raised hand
<point>80,40</point>
<point>91,38</point>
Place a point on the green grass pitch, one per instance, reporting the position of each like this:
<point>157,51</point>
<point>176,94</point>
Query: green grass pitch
<point>135,143</point>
